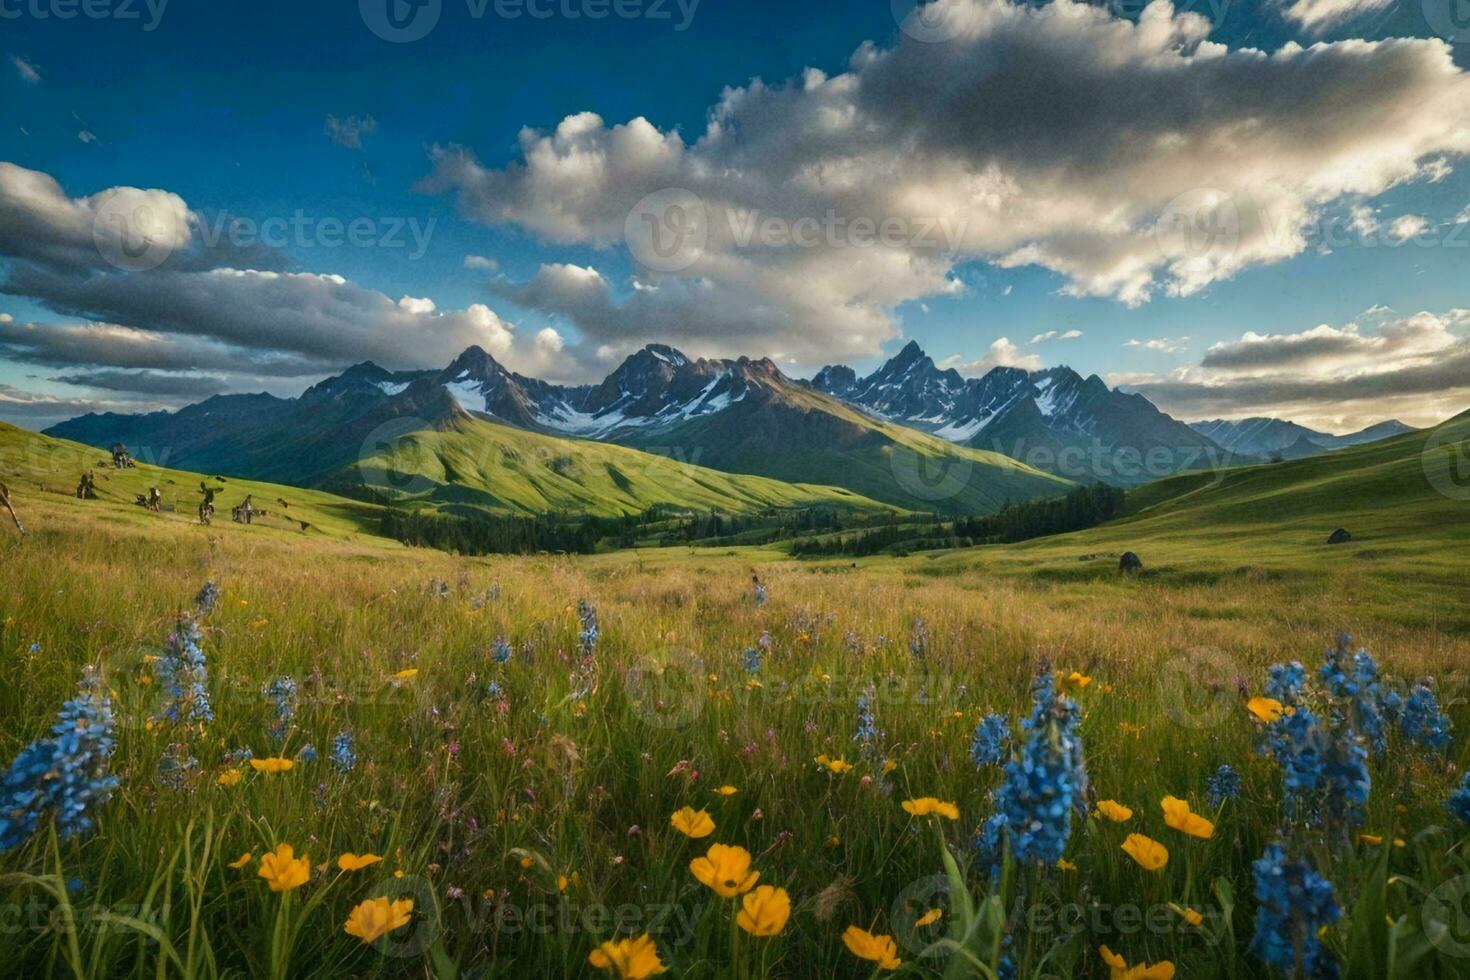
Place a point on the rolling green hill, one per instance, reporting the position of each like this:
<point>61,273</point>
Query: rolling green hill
<point>800,434</point>
<point>469,461</point>
<point>42,469</point>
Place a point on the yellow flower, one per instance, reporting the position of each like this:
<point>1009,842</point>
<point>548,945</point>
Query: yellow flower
<point>727,790</point>
<point>1373,839</point>
<point>888,766</point>
<point>229,777</point>
<point>527,863</point>
<point>283,871</point>
<point>1064,865</point>
<point>1265,709</point>
<point>1074,680</point>
<point>356,862</point>
<point>1191,916</point>
<point>259,624</point>
<point>1130,729</point>
<point>833,841</point>
<point>928,918</point>
<point>692,823</point>
<point>764,911</point>
<point>561,883</point>
<point>838,765</point>
<point>725,870</point>
<point>1178,816</point>
<point>271,765</point>
<point>377,917</point>
<point>880,949</point>
<point>1149,853</point>
<point>1115,811</point>
<point>241,861</point>
<point>631,959</point>
<point>926,805</point>
<point>1120,970</point>
<point>405,675</point>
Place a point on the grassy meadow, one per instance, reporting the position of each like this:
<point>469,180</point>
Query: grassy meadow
<point>524,806</point>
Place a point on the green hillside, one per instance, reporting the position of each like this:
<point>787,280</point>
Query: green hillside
<point>806,436</point>
<point>42,470</point>
<point>474,462</point>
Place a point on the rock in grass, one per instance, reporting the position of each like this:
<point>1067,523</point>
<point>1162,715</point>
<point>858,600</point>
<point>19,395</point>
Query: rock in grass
<point>1340,536</point>
<point>1130,564</point>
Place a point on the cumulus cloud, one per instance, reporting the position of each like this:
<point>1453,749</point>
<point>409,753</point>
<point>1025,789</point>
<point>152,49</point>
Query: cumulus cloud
<point>480,262</point>
<point>190,386</point>
<point>195,310</point>
<point>1416,368</point>
<point>350,131</point>
<point>1001,353</point>
<point>1131,158</point>
<point>1050,335</point>
<point>1320,16</point>
<point>1163,345</point>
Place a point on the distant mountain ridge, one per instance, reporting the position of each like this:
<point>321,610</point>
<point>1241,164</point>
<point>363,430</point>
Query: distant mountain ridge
<point>1054,419</point>
<point>1270,438</point>
<point>742,416</point>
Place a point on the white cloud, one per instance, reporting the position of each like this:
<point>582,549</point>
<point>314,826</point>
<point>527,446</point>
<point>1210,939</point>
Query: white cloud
<point>1131,158</point>
<point>350,131</point>
<point>1416,368</point>
<point>1463,218</point>
<point>1320,16</point>
<point>480,262</point>
<point>1050,335</point>
<point>1407,226</point>
<point>1002,353</point>
<point>28,72</point>
<point>1163,345</point>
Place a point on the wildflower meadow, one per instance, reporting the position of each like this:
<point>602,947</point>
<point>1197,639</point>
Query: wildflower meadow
<point>230,757</point>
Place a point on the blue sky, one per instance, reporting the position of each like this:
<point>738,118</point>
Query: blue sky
<point>226,106</point>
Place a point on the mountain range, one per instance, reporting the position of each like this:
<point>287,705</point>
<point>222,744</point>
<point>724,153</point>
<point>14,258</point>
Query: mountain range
<point>909,435</point>
<point>1277,439</point>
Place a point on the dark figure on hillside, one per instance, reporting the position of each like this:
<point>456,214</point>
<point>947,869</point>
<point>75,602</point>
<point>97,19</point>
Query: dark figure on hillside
<point>1341,536</point>
<point>152,501</point>
<point>86,488</point>
<point>284,504</point>
<point>206,503</point>
<point>245,513</point>
<point>121,458</point>
<point>1130,564</point>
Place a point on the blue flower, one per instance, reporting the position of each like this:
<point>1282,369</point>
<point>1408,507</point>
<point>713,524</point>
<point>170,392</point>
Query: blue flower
<point>760,593</point>
<point>1422,721</point>
<point>1294,903</point>
<point>307,754</point>
<point>988,747</point>
<point>1459,801</point>
<point>500,652</point>
<point>868,734</point>
<point>1223,784</point>
<point>175,765</point>
<point>282,693</point>
<point>65,776</point>
<point>205,601</point>
<point>919,638</point>
<point>587,638</point>
<point>343,755</point>
<point>183,676</point>
<point>1286,682</point>
<point>752,660</point>
<point>1324,770</point>
<point>1047,782</point>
